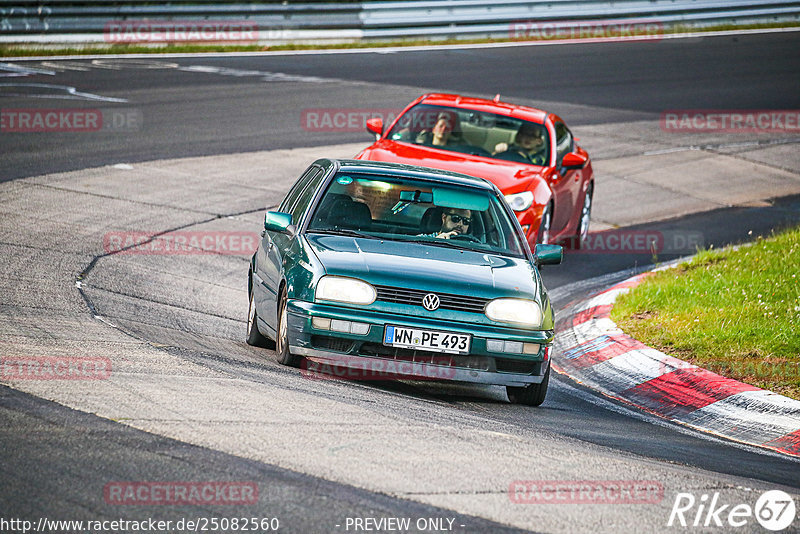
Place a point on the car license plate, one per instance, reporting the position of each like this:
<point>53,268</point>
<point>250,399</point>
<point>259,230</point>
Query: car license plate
<point>434,340</point>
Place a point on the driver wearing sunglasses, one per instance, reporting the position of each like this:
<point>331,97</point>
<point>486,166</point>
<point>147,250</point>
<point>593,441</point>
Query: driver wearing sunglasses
<point>454,222</point>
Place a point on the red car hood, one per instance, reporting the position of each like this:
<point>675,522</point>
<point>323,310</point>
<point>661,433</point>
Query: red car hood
<point>508,176</point>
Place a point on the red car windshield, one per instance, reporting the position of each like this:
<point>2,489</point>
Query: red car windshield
<point>473,132</point>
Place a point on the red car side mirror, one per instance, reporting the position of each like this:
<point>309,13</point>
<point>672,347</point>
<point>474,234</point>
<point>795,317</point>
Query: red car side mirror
<point>574,161</point>
<point>375,125</point>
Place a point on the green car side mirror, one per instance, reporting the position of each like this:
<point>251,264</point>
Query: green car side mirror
<point>548,254</point>
<point>276,221</point>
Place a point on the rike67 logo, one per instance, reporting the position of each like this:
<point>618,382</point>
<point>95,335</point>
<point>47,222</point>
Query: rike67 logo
<point>774,510</point>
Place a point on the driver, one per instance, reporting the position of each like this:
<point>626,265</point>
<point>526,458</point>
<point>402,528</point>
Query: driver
<point>528,146</point>
<point>454,222</point>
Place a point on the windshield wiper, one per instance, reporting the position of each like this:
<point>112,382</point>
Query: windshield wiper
<point>447,244</point>
<point>341,231</point>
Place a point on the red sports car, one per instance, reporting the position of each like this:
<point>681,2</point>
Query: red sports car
<point>528,153</point>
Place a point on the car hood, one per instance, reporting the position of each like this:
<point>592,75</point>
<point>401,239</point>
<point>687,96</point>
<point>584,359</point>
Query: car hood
<point>506,175</point>
<point>427,267</point>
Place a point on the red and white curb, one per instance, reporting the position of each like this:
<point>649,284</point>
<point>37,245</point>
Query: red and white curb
<point>592,350</point>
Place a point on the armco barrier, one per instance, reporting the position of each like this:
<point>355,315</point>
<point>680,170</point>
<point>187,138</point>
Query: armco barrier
<point>87,21</point>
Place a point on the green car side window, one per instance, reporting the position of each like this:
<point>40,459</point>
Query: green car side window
<point>305,196</point>
<point>297,188</point>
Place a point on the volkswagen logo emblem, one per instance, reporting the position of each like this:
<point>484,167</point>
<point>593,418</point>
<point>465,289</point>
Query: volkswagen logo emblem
<point>430,302</point>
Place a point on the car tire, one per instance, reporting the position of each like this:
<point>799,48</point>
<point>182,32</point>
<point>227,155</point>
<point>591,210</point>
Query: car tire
<point>532,395</point>
<point>585,217</point>
<point>282,337</point>
<point>254,336</point>
<point>543,234</point>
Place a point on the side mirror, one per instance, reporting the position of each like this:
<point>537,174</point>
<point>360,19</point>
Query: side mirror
<point>276,221</point>
<point>548,254</point>
<point>375,125</point>
<point>574,161</point>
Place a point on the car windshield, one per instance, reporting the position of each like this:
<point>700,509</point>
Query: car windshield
<point>473,132</point>
<point>405,209</point>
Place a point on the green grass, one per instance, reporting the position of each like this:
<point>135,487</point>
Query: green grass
<point>54,50</point>
<point>733,312</point>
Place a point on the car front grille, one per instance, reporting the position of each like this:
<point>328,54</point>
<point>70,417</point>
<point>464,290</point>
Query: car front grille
<point>447,301</point>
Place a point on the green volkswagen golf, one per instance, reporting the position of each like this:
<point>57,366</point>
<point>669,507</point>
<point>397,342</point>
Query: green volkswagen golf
<point>402,271</point>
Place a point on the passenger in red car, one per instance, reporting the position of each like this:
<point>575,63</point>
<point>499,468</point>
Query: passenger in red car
<point>439,135</point>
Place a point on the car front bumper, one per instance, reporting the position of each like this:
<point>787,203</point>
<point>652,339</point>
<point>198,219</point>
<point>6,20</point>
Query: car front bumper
<point>371,359</point>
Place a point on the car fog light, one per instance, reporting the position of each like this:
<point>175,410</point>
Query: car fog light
<point>494,345</point>
<point>360,328</point>
<point>337,325</point>
<point>340,326</point>
<point>530,348</point>
<point>511,347</point>
<point>321,323</point>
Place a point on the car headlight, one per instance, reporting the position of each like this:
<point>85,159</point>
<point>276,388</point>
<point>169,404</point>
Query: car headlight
<point>520,201</point>
<point>341,289</point>
<point>517,311</point>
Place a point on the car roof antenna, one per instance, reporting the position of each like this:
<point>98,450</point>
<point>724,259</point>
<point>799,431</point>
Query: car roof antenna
<point>496,98</point>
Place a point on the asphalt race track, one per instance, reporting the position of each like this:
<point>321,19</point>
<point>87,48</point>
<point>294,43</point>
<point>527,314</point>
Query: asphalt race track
<point>237,104</point>
<point>205,144</point>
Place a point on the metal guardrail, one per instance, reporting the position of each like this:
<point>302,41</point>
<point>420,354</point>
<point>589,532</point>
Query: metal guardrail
<point>86,21</point>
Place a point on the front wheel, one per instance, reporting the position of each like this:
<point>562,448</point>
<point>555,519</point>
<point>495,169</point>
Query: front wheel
<point>532,395</point>
<point>282,342</point>
<point>543,235</point>
<point>254,336</point>
<point>583,223</point>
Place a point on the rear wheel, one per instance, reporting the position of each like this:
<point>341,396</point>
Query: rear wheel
<point>532,395</point>
<point>282,342</point>
<point>254,337</point>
